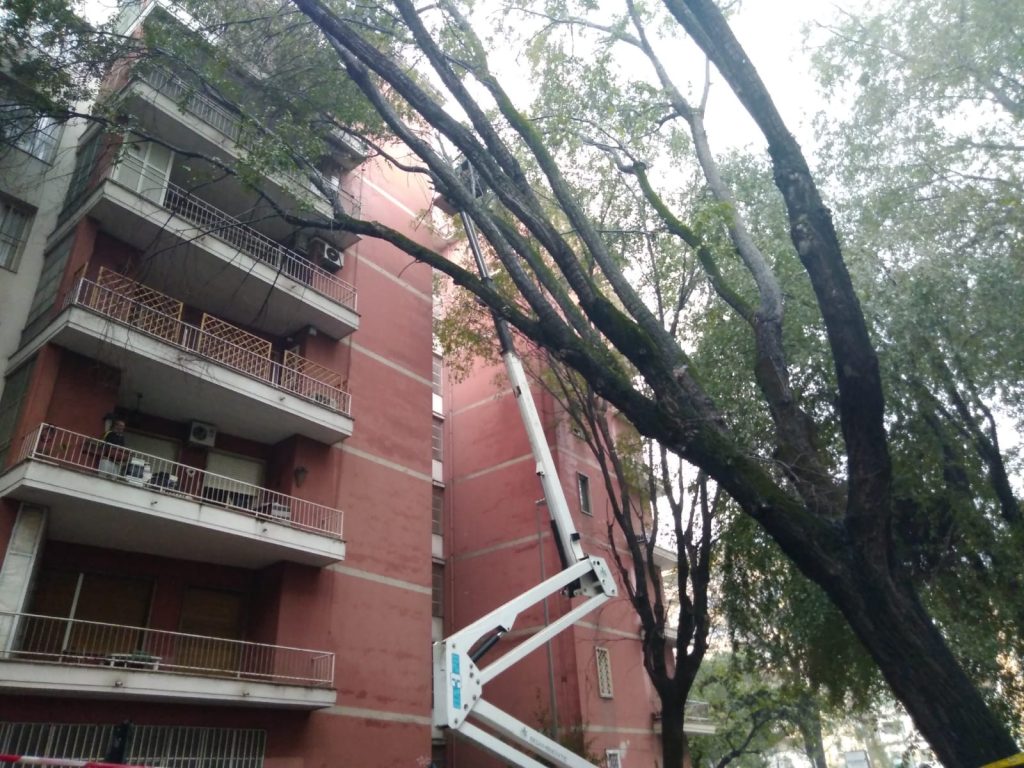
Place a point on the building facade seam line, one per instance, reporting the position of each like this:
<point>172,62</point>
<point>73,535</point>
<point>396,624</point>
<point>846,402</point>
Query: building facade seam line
<point>503,545</point>
<point>386,463</point>
<point>391,364</point>
<point>377,578</point>
<point>376,714</point>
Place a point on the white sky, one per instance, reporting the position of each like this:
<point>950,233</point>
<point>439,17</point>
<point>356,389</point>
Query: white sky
<point>771,31</point>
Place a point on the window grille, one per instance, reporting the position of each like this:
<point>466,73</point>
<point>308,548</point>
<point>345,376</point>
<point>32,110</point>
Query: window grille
<point>14,225</point>
<point>604,673</point>
<point>437,375</point>
<point>437,590</point>
<point>583,486</point>
<point>157,745</point>
<point>437,511</point>
<point>613,758</point>
<point>437,440</point>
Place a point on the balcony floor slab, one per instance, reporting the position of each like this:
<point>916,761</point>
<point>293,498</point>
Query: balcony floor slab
<point>183,386</point>
<point>181,260</point>
<point>97,511</point>
<point>60,680</point>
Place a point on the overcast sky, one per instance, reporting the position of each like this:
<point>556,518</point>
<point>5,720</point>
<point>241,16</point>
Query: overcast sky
<point>771,31</point>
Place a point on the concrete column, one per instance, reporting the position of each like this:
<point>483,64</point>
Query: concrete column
<point>19,567</point>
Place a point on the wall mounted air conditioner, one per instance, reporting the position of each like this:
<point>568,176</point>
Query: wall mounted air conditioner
<point>200,433</point>
<point>325,255</point>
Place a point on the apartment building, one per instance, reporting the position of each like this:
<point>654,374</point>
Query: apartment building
<point>588,685</point>
<point>215,455</point>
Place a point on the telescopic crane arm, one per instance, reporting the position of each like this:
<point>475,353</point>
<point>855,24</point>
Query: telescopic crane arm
<point>459,672</point>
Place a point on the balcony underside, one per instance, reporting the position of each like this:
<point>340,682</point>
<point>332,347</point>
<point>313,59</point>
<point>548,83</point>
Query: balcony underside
<point>180,260</point>
<point>182,386</point>
<point>45,679</point>
<point>159,115</point>
<point>97,511</point>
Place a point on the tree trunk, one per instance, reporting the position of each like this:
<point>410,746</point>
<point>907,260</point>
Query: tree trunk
<point>809,725</point>
<point>674,749</point>
<point>923,673</point>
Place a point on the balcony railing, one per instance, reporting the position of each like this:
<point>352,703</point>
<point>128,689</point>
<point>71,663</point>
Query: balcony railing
<point>697,711</point>
<point>320,386</point>
<point>77,643</point>
<point>229,124</point>
<point>213,221</point>
<point>71,450</point>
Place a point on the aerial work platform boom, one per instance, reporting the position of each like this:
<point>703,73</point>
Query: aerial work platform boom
<point>459,673</point>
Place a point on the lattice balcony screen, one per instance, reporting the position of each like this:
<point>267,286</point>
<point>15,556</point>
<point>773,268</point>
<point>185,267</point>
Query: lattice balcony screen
<point>137,305</point>
<point>234,347</point>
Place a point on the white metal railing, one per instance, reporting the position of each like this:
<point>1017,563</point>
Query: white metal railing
<point>164,746</point>
<point>78,643</point>
<point>182,335</point>
<point>228,123</point>
<point>123,464</point>
<point>697,711</point>
<point>200,105</point>
<point>215,222</point>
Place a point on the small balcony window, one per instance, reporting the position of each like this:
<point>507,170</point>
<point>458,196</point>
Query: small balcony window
<point>583,487</point>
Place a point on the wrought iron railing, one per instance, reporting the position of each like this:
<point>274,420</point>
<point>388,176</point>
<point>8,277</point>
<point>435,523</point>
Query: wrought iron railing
<point>229,124</point>
<point>210,346</point>
<point>78,643</point>
<point>71,450</point>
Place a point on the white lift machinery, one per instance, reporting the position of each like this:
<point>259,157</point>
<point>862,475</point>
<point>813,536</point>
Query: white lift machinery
<point>460,675</point>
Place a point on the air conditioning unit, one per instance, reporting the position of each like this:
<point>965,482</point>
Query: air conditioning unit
<point>325,255</point>
<point>200,433</point>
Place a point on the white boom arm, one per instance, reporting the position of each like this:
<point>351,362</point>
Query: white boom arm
<point>458,679</point>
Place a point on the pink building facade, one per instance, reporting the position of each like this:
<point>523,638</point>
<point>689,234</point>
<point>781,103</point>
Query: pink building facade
<point>590,681</point>
<point>245,575</point>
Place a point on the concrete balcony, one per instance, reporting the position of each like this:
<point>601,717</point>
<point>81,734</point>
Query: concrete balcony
<point>114,497</point>
<point>197,250</point>
<point>51,656</point>
<point>697,720</point>
<point>212,372</point>
<point>166,105</point>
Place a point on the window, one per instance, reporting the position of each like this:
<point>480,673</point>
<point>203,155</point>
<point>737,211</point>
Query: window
<point>613,758</point>
<point>437,440</point>
<point>10,405</point>
<point>437,375</point>
<point>13,231</point>
<point>85,164</point>
<point>121,601</point>
<point>232,479</point>
<point>22,128</point>
<point>437,590</point>
<point>144,168</point>
<point>437,511</point>
<point>583,486</point>
<point>46,290</point>
<point>604,673</point>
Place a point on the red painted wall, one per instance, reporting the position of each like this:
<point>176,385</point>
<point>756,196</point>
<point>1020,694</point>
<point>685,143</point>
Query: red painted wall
<point>498,539</point>
<point>374,609</point>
